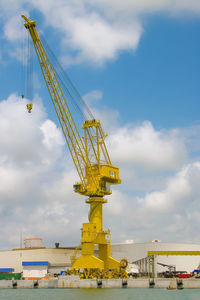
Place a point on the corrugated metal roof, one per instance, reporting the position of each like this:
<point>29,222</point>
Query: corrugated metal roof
<point>35,263</point>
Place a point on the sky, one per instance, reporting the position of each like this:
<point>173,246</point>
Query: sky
<point>136,63</point>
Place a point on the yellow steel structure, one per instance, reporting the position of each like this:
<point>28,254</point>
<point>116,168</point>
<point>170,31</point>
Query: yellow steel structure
<point>29,107</point>
<point>92,162</point>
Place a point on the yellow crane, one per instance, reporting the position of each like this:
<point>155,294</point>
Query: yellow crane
<point>93,164</point>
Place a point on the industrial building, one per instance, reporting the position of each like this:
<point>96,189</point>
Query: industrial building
<point>20,259</point>
<point>180,256</point>
<point>34,256</point>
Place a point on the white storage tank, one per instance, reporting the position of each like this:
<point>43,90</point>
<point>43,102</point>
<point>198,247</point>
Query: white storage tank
<point>33,243</point>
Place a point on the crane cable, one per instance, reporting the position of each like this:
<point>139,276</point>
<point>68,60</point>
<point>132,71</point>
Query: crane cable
<point>76,100</point>
<point>23,64</point>
<point>27,70</point>
<point>29,83</point>
<point>72,93</point>
<point>65,81</point>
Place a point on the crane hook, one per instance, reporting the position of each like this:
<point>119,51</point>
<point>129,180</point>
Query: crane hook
<point>29,107</point>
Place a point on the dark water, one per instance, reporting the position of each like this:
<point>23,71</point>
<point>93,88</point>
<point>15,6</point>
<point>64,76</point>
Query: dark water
<point>99,294</point>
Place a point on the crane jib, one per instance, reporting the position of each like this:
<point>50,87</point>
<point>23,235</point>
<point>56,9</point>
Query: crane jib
<point>90,157</point>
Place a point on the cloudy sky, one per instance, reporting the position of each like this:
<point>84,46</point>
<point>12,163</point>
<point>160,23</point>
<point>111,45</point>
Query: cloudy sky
<point>136,63</point>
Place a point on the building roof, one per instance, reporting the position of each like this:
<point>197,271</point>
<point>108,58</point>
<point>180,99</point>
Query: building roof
<point>6,270</point>
<point>35,263</point>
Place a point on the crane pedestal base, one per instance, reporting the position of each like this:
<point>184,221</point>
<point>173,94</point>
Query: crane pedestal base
<point>111,263</point>
<point>93,235</point>
<point>93,262</point>
<point>88,262</point>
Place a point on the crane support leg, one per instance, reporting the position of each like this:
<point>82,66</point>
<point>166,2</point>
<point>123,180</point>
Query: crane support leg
<point>92,234</point>
<point>105,255</point>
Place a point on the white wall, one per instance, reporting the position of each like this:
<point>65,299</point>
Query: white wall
<point>14,258</point>
<point>136,251</point>
<point>34,271</point>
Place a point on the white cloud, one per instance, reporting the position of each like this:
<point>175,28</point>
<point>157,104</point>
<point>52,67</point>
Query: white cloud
<point>115,204</point>
<point>170,214</point>
<point>95,31</point>
<point>92,97</point>
<point>147,148</point>
<point>13,29</point>
<point>178,189</point>
<point>108,117</point>
<point>185,6</point>
<point>176,206</point>
<point>36,173</point>
<point>100,41</point>
<point>135,7</point>
<point>177,224</point>
<point>95,37</point>
<point>32,161</point>
<point>51,135</point>
<point>37,176</point>
<point>99,30</point>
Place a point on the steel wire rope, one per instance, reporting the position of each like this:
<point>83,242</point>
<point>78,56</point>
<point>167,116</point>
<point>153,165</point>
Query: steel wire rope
<point>29,79</point>
<point>66,77</point>
<point>27,67</point>
<point>73,99</point>
<point>63,77</point>
<point>61,73</point>
<point>23,63</point>
<point>26,63</point>
<point>38,50</point>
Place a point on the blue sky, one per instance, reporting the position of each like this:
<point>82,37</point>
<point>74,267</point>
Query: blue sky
<point>158,81</point>
<point>137,65</point>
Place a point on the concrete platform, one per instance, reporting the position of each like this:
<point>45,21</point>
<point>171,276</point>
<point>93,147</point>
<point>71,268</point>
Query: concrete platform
<point>47,284</point>
<point>25,284</point>
<point>6,284</point>
<point>191,283</point>
<point>111,283</point>
<point>137,283</point>
<point>75,282</point>
<point>164,283</point>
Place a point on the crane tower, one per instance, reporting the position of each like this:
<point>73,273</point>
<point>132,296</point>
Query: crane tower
<point>92,162</point>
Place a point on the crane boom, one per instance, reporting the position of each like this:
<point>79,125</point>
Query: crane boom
<point>91,158</point>
<point>92,162</point>
<point>67,123</point>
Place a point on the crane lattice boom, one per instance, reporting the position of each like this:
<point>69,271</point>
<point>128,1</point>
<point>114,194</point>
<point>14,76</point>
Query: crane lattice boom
<point>90,157</point>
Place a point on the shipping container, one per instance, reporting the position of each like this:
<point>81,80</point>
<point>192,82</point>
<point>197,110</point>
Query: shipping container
<point>183,275</point>
<point>10,276</point>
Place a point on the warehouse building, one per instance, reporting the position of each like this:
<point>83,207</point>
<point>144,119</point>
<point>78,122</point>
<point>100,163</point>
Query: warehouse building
<point>58,258</point>
<point>183,256</point>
